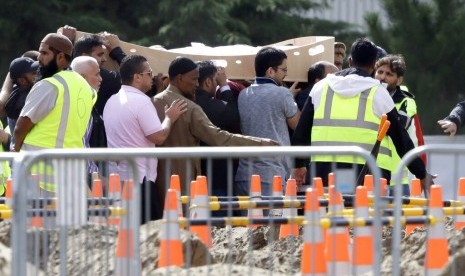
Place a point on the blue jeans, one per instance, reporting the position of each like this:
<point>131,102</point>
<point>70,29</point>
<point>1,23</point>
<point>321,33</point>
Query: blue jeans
<point>405,190</point>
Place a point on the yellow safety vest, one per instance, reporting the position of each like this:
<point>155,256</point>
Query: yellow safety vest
<point>341,121</point>
<point>411,111</point>
<point>66,123</point>
<point>5,171</point>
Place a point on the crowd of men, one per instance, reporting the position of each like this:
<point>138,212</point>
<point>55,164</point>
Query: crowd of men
<point>66,99</point>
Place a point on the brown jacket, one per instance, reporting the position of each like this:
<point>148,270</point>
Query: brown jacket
<point>192,127</point>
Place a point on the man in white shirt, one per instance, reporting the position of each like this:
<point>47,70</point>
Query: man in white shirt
<point>131,121</point>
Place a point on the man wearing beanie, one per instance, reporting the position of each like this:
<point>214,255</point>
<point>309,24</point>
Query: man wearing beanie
<point>193,126</point>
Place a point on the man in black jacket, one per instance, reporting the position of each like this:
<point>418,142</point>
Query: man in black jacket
<point>223,113</point>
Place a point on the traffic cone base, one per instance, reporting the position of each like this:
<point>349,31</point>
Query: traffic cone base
<point>125,246</point>
<point>313,262</point>
<point>168,253</point>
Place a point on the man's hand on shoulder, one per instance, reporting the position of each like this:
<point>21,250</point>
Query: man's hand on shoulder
<point>177,108</point>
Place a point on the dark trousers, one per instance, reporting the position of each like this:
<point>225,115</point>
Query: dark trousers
<point>152,201</point>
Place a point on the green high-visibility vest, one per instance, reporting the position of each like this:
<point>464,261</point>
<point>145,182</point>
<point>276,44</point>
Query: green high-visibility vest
<point>342,121</point>
<point>411,111</point>
<point>65,125</point>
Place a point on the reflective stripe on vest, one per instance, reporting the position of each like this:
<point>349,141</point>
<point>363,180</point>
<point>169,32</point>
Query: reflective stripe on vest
<point>340,121</point>
<point>65,125</point>
<point>411,111</point>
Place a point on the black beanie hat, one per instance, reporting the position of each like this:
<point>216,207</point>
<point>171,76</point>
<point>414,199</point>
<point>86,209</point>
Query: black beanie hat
<point>181,65</point>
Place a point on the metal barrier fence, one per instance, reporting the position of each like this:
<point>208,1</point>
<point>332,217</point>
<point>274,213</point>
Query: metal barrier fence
<point>76,239</point>
<point>457,169</point>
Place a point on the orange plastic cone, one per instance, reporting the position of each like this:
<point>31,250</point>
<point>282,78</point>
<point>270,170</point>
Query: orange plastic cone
<point>171,253</point>
<point>9,192</point>
<point>331,179</point>
<point>362,250</point>
<point>384,187</point>
<point>415,191</point>
<point>290,229</point>
<point>313,252</point>
<point>337,238</point>
<point>97,192</point>
<point>460,219</point>
<point>114,192</point>
<point>125,241</point>
<point>175,184</point>
<point>437,249</point>
<point>318,187</point>
<point>368,183</point>
<point>255,195</point>
<point>202,211</point>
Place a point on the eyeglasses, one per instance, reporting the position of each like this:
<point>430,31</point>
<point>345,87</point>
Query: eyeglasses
<point>148,73</point>
<point>284,69</point>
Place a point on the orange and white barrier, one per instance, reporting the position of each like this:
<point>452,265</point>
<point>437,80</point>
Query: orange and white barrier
<point>437,249</point>
<point>460,219</point>
<point>201,211</point>
<point>114,192</point>
<point>318,187</point>
<point>313,256</point>
<point>290,229</point>
<point>97,192</point>
<point>175,184</point>
<point>125,241</point>
<point>171,252</point>
<point>415,192</point>
<point>337,239</point>
<point>255,194</point>
<point>362,250</point>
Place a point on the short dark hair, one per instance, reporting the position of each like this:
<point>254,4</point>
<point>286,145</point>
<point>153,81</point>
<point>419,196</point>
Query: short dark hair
<point>86,43</point>
<point>316,71</point>
<point>363,52</point>
<point>395,62</point>
<point>131,65</point>
<point>207,69</point>
<point>268,57</point>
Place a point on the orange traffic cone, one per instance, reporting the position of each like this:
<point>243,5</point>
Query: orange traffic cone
<point>313,252</point>
<point>97,192</point>
<point>175,184</point>
<point>318,187</point>
<point>331,179</point>
<point>9,192</point>
<point>460,219</point>
<point>415,191</point>
<point>362,254</point>
<point>202,211</point>
<point>171,253</point>
<point>125,241</point>
<point>290,229</point>
<point>437,249</point>
<point>255,195</point>
<point>114,192</point>
<point>368,183</point>
<point>384,187</point>
<point>337,238</point>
